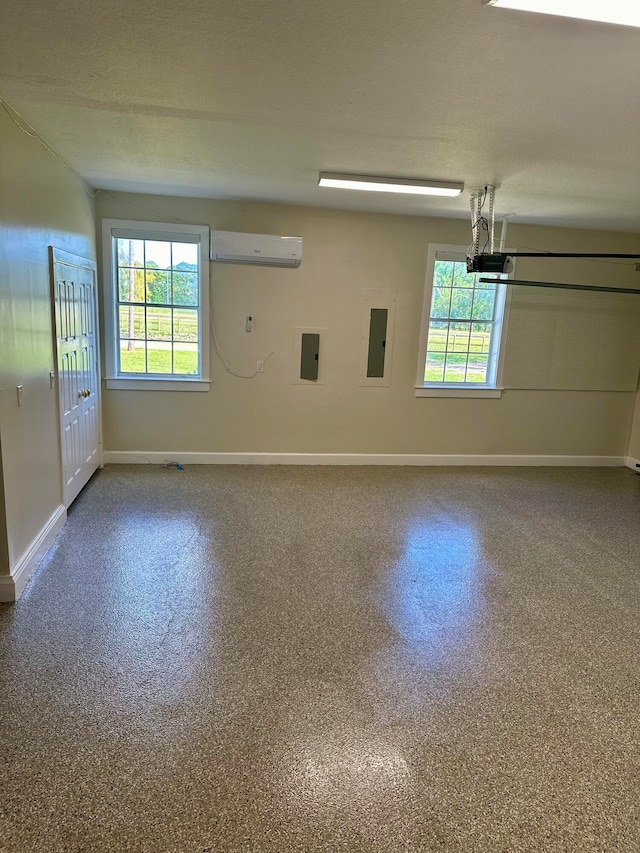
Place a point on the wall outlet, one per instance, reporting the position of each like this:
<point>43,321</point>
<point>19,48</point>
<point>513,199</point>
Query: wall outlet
<point>259,366</point>
<point>249,323</point>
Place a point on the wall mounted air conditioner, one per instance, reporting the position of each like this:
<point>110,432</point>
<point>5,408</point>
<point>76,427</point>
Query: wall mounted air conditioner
<point>234,247</point>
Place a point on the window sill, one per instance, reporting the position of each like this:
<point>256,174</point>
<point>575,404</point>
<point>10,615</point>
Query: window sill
<point>121,383</point>
<point>472,393</point>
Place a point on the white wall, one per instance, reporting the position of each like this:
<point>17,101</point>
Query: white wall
<point>41,204</point>
<point>344,253</point>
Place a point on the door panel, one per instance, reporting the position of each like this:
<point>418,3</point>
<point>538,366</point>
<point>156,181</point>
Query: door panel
<point>75,306</point>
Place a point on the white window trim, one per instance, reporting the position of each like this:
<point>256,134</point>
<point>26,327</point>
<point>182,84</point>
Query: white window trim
<point>130,382</point>
<point>463,391</point>
<point>458,389</point>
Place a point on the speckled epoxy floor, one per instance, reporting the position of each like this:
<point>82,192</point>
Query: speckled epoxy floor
<point>329,659</point>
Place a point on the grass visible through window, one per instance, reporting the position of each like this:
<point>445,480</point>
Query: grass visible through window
<point>133,361</point>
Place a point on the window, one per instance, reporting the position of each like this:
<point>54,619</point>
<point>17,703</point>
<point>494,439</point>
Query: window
<point>156,289</point>
<point>463,319</point>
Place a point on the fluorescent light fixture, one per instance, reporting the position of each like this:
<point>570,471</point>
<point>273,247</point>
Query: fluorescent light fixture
<point>375,184</point>
<point>626,12</point>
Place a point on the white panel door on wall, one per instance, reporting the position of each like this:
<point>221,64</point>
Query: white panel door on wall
<point>76,339</point>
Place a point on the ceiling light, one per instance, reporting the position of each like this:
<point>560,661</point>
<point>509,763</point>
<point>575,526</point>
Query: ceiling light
<point>375,184</point>
<point>624,12</point>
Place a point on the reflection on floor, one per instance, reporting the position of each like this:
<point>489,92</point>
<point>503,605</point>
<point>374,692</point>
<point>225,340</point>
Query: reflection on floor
<point>329,659</point>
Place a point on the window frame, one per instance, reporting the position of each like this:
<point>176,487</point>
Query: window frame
<point>141,230</point>
<point>460,389</point>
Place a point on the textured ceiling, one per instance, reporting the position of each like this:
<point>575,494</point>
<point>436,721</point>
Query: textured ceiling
<point>251,98</point>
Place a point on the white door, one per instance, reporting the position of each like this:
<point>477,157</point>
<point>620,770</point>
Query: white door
<point>75,308</point>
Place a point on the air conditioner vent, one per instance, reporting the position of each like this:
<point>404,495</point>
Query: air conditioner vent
<point>234,247</point>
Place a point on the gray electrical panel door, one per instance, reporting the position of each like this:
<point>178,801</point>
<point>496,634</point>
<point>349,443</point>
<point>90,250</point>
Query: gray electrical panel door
<point>377,342</point>
<point>309,356</point>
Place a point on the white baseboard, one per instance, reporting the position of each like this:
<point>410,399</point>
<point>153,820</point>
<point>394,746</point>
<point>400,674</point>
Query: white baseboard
<point>127,457</point>
<point>12,585</point>
<point>632,463</point>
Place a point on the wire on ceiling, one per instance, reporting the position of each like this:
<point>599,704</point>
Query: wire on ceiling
<point>481,222</point>
<point>162,216</point>
<point>22,124</point>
